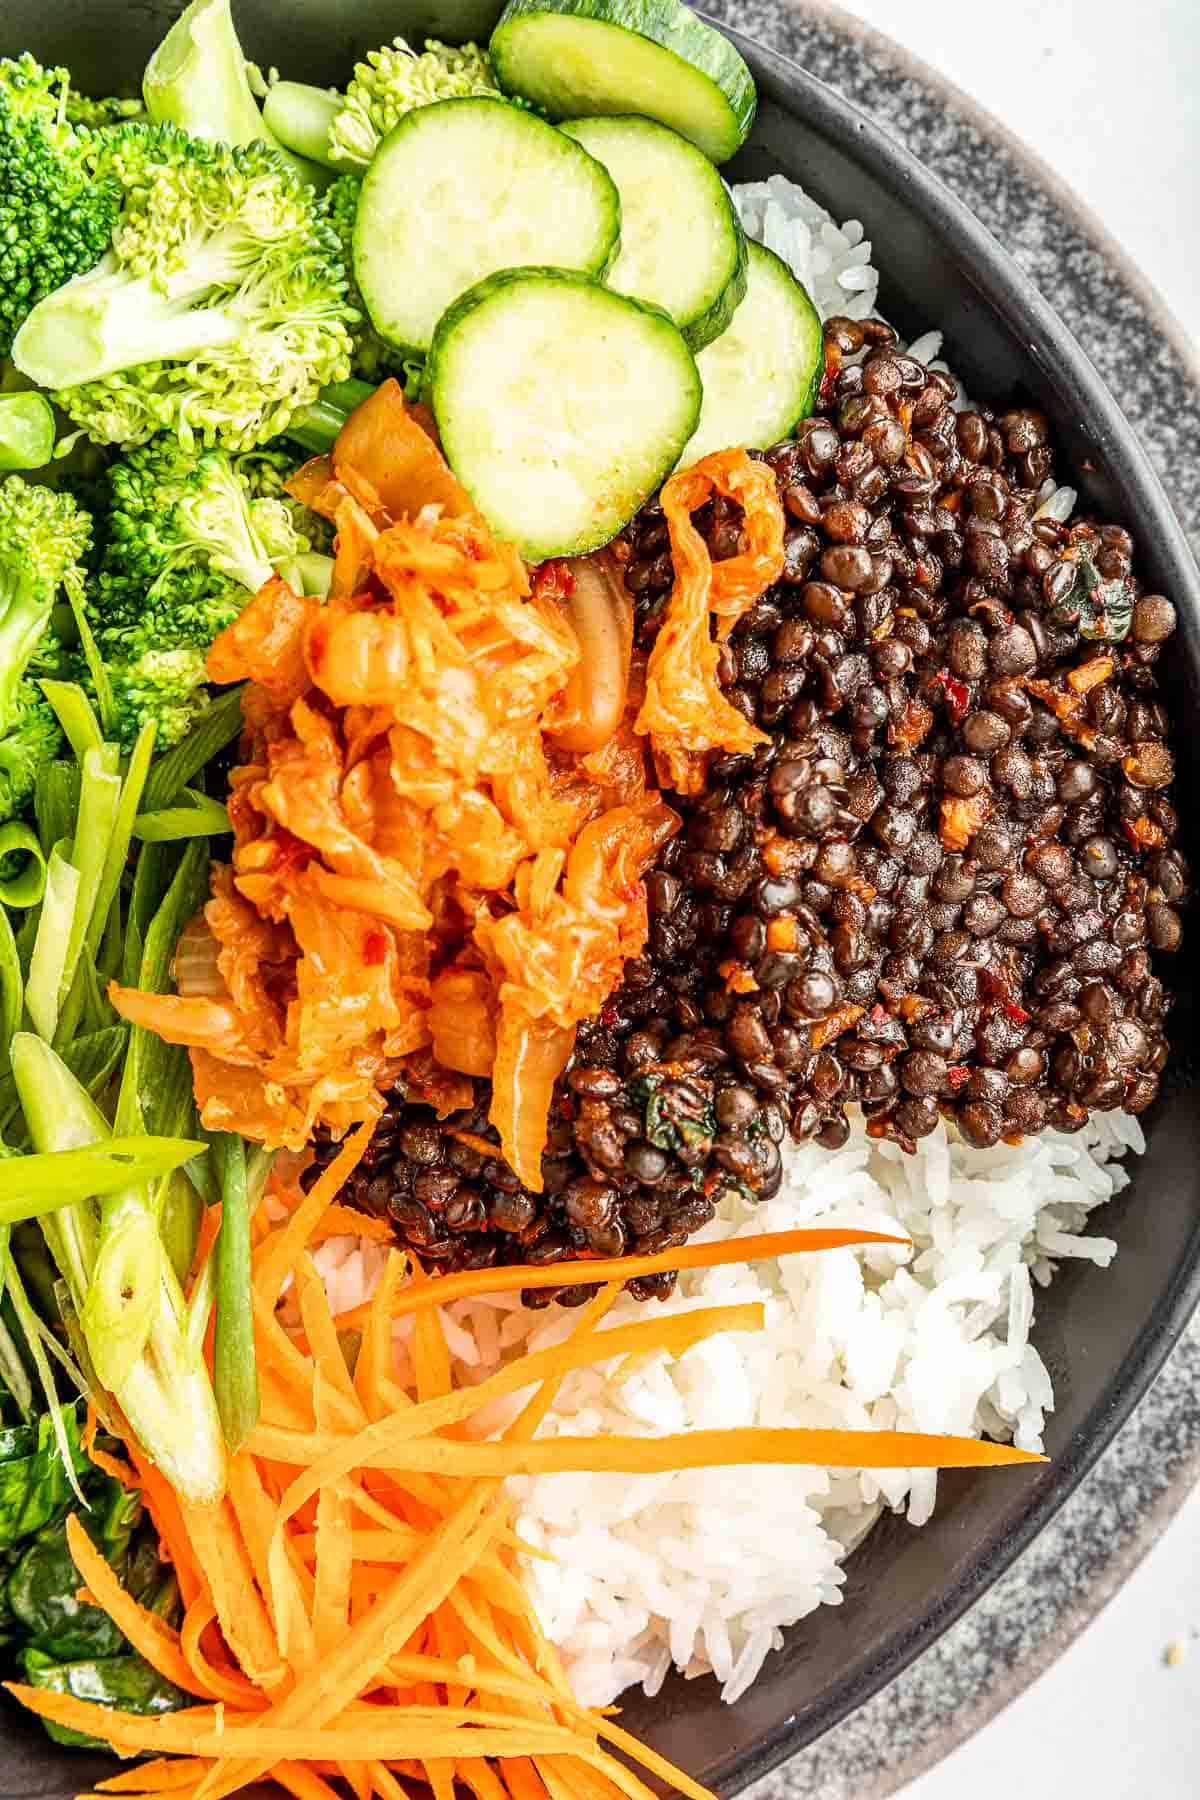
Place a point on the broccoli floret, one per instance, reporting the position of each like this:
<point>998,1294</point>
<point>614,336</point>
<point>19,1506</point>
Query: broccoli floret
<point>96,114</point>
<point>395,80</point>
<point>56,213</point>
<point>191,536</point>
<point>218,310</point>
<point>33,739</point>
<point>44,540</point>
<point>167,686</point>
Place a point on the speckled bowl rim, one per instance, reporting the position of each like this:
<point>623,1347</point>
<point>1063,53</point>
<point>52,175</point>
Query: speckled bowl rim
<point>1130,1551</point>
<point>836,18</point>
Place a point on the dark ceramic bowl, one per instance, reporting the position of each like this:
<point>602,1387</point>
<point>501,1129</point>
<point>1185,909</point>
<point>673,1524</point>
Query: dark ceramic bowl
<point>1103,1334</point>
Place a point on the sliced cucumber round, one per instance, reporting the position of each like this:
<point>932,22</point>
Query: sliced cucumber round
<point>462,188</point>
<point>762,375</point>
<point>682,245</point>
<point>576,58</point>
<point>561,406</point>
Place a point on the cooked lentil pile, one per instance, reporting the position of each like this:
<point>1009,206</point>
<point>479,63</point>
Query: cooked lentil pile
<point>936,892</point>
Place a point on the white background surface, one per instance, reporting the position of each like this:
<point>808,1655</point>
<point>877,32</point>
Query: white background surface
<point>1108,92</point>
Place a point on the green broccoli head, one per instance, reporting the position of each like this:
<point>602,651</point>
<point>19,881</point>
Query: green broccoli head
<point>218,310</point>
<point>56,215</point>
<point>395,80</point>
<point>33,739</point>
<point>192,535</point>
<point>167,686</point>
<point>44,541</point>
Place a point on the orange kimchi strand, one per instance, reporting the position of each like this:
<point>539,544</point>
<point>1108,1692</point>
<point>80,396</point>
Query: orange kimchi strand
<point>425,884</point>
<point>685,714</point>
<point>355,1613</point>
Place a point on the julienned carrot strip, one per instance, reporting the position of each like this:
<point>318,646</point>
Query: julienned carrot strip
<point>163,1505</point>
<point>278,1252</point>
<point>302,1781</point>
<point>322,1694</point>
<point>701,1450</point>
<point>334,1563</point>
<point>344,1221</point>
<point>323,1457</point>
<point>375,1350</point>
<point>223,1684</point>
<point>321,1332</point>
<point>470,1283</point>
<point>431,1359</point>
<point>450,1551</point>
<point>154,1777</point>
<point>282,1580</point>
<point>222,1555</point>
<point>149,1634</point>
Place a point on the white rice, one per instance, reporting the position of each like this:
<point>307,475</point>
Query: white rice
<point>833,262</point>
<point>705,1569</point>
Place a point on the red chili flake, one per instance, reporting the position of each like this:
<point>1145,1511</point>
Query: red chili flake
<point>958,695</point>
<point>608,1014</point>
<point>1016,1013</point>
<point>957,1075</point>
<point>374,949</point>
<point>566,1108</point>
<point>553,580</point>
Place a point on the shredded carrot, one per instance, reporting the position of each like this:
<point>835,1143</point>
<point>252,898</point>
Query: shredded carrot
<point>468,1284</point>
<point>150,1635</point>
<point>355,1615</point>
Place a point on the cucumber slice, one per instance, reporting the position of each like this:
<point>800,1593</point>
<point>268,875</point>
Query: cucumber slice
<point>463,188</point>
<point>561,406</point>
<point>682,245</point>
<point>762,375</point>
<point>576,58</point>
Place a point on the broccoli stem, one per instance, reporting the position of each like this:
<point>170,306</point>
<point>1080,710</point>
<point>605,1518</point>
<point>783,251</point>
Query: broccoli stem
<point>299,116</point>
<point>316,427</point>
<point>166,1394</point>
<point>108,321</point>
<point>197,79</point>
<point>26,431</point>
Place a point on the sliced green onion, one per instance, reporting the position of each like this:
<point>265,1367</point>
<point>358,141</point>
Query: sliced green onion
<point>56,802</point>
<point>216,727</point>
<point>33,1329</point>
<point>112,812</point>
<point>40,1183</point>
<point>26,431</point>
<point>74,712</point>
<point>95,828</point>
<point>26,887</point>
<point>235,1375</point>
<point>171,824</point>
<point>73,588</point>
<point>49,959</point>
